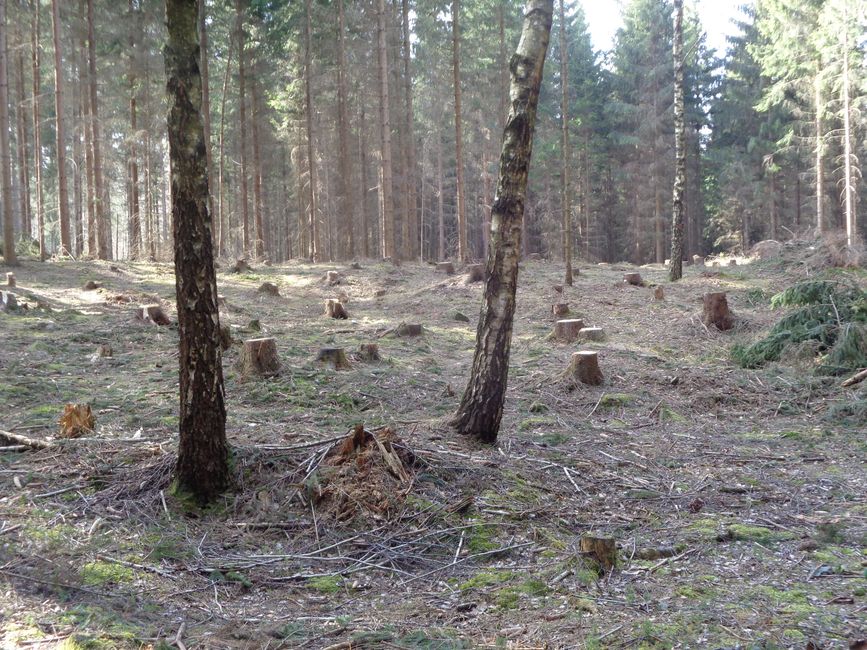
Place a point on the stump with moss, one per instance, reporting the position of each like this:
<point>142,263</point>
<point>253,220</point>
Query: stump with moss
<point>716,311</point>
<point>369,352</point>
<point>560,309</point>
<point>475,273</point>
<point>409,329</point>
<point>259,358</point>
<point>584,368</point>
<point>269,288</point>
<point>634,279</point>
<point>592,334</point>
<point>446,267</point>
<point>567,329</point>
<point>10,280</point>
<point>333,356</point>
<point>241,266</point>
<point>332,278</point>
<point>335,309</point>
<point>153,314</point>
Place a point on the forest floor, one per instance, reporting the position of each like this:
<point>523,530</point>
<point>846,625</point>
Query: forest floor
<point>738,498</point>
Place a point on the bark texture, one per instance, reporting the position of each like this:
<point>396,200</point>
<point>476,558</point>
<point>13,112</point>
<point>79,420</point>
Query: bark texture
<point>463,252</point>
<point>62,189</point>
<point>5,152</point>
<point>481,408</point>
<point>564,151</point>
<point>202,467</point>
<point>675,272</point>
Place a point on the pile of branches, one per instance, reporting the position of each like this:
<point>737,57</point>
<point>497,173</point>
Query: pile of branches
<point>830,318</point>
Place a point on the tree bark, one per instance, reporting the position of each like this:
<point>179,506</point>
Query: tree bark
<point>481,408</point>
<point>59,108</point>
<point>255,109</point>
<point>848,174</point>
<point>385,193</point>
<point>346,210</point>
<point>365,212</point>
<point>21,129</point>
<point>463,252</point>
<point>134,209</point>
<point>240,6</point>
<point>202,467</point>
<point>36,62</point>
<point>676,269</point>
<point>103,219</point>
<point>206,103</point>
<point>820,155</point>
<point>221,220</point>
<point>5,152</point>
<point>564,148</point>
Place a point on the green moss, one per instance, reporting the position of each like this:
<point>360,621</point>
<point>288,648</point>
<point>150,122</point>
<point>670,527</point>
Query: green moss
<point>101,573</point>
<point>745,533</point>
<point>486,579</point>
<point>612,400</point>
<point>326,584</point>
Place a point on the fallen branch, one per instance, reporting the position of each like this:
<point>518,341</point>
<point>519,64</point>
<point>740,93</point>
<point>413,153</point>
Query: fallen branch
<point>857,378</point>
<point>18,439</point>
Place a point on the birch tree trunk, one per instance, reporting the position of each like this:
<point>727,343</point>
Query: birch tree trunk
<point>564,148</point>
<point>202,467</point>
<point>481,408</point>
<point>675,271</point>
<point>59,108</point>
<point>463,252</point>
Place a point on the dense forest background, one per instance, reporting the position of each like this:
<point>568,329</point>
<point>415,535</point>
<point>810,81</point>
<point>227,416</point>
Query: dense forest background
<point>363,128</point>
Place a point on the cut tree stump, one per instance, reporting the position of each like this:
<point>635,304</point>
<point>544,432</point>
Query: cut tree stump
<point>475,273</point>
<point>259,358</point>
<point>379,293</point>
<point>225,337</point>
<point>536,257</point>
<point>592,334</point>
<point>659,293</point>
<point>335,309</point>
<point>153,314</point>
<point>409,329</point>
<point>10,280</point>
<point>567,330</point>
<point>90,285</point>
<point>601,549</point>
<point>558,288</point>
<point>241,266</point>
<point>332,278</point>
<point>9,301</point>
<point>716,311</point>
<point>446,267</point>
<point>355,266</point>
<point>560,309</point>
<point>584,368</point>
<point>335,356</point>
<point>633,279</point>
<point>221,301</point>
<point>698,260</point>
<point>369,352</point>
<point>270,288</point>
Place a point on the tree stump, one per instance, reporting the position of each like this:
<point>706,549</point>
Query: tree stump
<point>379,293</point>
<point>409,329</point>
<point>600,549</point>
<point>221,301</point>
<point>446,267</point>
<point>153,314</point>
<point>270,288</point>
<point>567,330</point>
<point>659,293</point>
<point>716,311</point>
<point>335,309</point>
<point>10,280</point>
<point>733,262</point>
<point>584,368</point>
<point>241,266</point>
<point>90,285</point>
<point>698,260</point>
<point>259,358</point>
<point>225,337</point>
<point>355,266</point>
<point>634,279</point>
<point>9,301</point>
<point>335,356</point>
<point>592,334</point>
<point>536,257</point>
<point>558,288</point>
<point>369,352</point>
<point>475,273</point>
<point>560,309</point>
<point>332,278</point>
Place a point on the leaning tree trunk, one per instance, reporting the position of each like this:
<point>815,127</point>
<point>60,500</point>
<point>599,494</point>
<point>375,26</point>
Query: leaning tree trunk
<point>203,467</point>
<point>481,407</point>
<point>676,270</point>
<point>62,189</point>
<point>5,152</point>
<point>564,151</point>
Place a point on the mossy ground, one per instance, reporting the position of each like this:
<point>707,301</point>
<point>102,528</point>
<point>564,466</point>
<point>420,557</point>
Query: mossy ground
<point>746,474</point>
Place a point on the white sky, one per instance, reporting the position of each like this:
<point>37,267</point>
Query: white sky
<point>603,16</point>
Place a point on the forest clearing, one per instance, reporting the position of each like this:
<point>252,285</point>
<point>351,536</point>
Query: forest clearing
<point>736,497</point>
